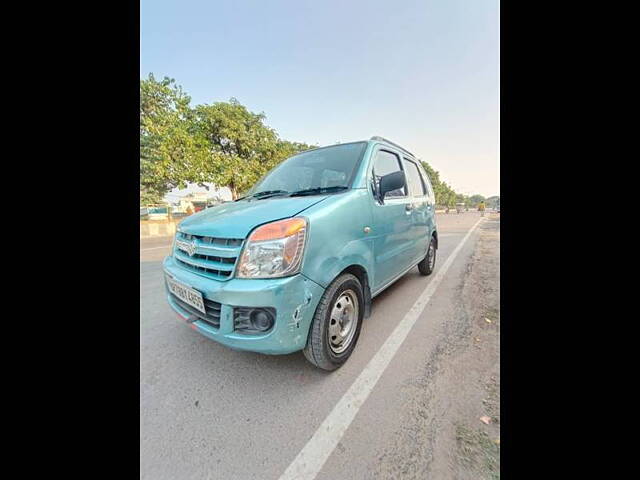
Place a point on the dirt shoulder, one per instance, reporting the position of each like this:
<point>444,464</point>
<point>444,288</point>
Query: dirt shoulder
<point>444,434</point>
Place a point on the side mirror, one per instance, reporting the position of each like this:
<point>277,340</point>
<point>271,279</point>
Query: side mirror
<point>390,182</point>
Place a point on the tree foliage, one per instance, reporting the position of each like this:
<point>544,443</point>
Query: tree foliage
<point>223,143</point>
<point>240,147</point>
<point>445,195</point>
<point>476,199</point>
<point>168,148</point>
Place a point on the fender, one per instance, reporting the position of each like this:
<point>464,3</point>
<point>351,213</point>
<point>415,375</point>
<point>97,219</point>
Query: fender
<point>355,264</point>
<point>338,241</point>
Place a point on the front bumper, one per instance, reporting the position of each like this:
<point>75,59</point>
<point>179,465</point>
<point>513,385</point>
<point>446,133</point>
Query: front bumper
<point>294,298</point>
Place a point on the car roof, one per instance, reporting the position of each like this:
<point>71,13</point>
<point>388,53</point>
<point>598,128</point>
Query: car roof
<point>375,138</point>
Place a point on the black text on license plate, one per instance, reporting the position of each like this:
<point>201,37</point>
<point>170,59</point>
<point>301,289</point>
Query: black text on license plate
<point>186,294</point>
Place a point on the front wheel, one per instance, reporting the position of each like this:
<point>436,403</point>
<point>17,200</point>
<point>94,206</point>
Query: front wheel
<point>428,263</point>
<point>336,324</point>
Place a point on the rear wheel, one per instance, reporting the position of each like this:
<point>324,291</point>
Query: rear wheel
<point>336,324</point>
<point>428,263</point>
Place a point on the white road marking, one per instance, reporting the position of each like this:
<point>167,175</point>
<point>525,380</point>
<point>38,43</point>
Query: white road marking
<point>315,453</point>
<point>154,248</point>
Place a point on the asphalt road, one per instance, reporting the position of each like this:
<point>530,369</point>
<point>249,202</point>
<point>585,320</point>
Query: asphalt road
<point>208,412</point>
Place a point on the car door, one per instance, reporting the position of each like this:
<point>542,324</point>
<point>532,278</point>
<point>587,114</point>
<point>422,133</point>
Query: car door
<point>392,239</point>
<point>420,210</point>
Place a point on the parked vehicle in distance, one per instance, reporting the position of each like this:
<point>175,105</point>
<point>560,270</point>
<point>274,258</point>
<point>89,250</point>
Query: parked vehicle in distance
<point>460,207</point>
<point>294,264</point>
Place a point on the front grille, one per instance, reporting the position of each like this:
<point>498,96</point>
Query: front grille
<point>211,271</point>
<point>212,317</point>
<point>213,257</point>
<point>231,242</point>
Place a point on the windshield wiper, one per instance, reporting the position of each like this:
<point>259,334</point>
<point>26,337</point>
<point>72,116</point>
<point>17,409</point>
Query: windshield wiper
<point>265,194</point>
<point>317,190</point>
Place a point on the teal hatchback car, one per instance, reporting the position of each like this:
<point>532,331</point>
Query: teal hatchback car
<point>294,264</point>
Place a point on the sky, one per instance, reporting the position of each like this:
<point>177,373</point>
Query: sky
<point>424,74</point>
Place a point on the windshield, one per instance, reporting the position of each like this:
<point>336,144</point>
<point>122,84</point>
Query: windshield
<point>329,167</point>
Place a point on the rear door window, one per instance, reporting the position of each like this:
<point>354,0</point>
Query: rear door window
<point>416,185</point>
<point>427,182</point>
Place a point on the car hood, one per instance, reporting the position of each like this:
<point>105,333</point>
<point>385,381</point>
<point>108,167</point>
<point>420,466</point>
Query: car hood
<point>237,219</point>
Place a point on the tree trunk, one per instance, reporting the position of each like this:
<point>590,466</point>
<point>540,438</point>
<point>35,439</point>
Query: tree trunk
<point>234,192</point>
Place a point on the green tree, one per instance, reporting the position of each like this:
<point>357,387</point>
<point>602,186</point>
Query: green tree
<point>239,147</point>
<point>445,194</point>
<point>149,196</point>
<point>476,199</point>
<point>439,188</point>
<point>450,196</point>
<point>168,146</point>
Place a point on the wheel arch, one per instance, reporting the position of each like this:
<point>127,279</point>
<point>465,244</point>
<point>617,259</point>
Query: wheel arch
<point>361,274</point>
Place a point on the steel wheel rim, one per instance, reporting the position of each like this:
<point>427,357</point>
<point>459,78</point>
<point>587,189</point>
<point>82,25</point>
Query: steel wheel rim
<point>343,321</point>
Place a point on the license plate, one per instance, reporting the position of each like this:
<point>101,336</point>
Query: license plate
<point>186,294</point>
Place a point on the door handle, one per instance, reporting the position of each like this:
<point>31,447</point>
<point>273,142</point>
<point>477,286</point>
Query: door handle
<point>408,207</point>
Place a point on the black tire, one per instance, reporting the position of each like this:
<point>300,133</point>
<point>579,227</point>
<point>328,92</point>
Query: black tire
<point>318,349</point>
<point>428,264</point>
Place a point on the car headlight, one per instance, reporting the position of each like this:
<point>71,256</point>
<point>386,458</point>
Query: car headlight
<point>274,249</point>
